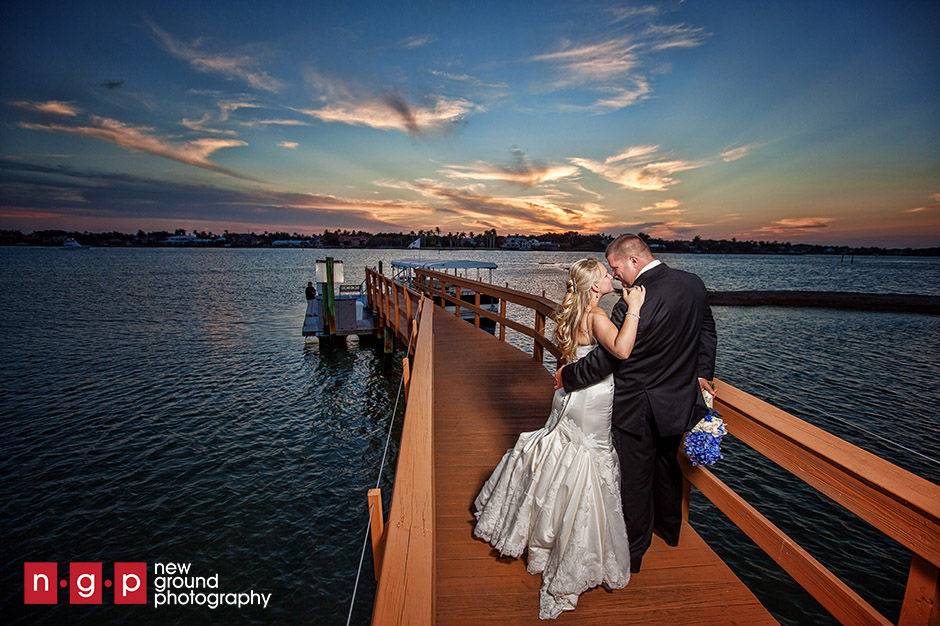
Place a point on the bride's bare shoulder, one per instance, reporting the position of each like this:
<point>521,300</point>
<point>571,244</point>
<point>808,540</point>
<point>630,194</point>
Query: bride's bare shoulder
<point>598,311</point>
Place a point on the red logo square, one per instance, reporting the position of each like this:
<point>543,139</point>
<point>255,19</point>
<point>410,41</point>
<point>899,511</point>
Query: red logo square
<point>130,583</point>
<point>85,582</point>
<point>40,583</point>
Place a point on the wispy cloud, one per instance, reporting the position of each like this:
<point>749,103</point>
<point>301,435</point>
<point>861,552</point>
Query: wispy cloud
<point>669,206</point>
<point>142,139</point>
<point>927,207</point>
<point>416,41</point>
<point>467,78</point>
<point>290,145</point>
<point>616,67</point>
<point>521,171</point>
<point>733,154</point>
<point>586,63</point>
<point>51,107</point>
<point>467,207</point>
<point>622,13</point>
<point>275,122</point>
<point>231,66</point>
<point>639,168</point>
<point>796,225</point>
<point>226,108</point>
<point>200,126</point>
<point>663,37</point>
<point>347,104</point>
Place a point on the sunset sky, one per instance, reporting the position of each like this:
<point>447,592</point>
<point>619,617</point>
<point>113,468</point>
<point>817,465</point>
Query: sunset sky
<point>799,121</point>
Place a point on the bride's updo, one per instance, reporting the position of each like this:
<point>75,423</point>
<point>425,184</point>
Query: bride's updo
<point>582,276</point>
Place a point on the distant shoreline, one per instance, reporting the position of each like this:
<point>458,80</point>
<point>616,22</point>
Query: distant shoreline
<point>843,300</point>
<point>888,252</point>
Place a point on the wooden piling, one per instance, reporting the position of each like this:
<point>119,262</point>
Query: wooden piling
<point>376,529</point>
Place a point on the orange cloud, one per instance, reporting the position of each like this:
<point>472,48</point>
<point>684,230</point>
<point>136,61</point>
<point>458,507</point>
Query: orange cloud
<point>467,207</point>
<point>935,197</point>
<point>394,113</point>
<point>521,172</point>
<point>53,107</point>
<point>637,168</point>
<point>796,225</point>
<point>140,139</point>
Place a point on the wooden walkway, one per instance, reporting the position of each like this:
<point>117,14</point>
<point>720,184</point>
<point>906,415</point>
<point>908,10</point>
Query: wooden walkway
<point>484,397</point>
<point>469,395</point>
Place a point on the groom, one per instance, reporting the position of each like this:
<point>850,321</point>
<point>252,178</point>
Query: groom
<point>657,391</point>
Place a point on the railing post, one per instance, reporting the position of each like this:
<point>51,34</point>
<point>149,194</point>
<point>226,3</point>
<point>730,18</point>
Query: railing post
<point>396,287</point>
<point>376,529</point>
<point>406,375</point>
<point>502,315</point>
<point>540,331</point>
<point>922,595</point>
<point>457,304</point>
<point>476,301</point>
<point>408,312</point>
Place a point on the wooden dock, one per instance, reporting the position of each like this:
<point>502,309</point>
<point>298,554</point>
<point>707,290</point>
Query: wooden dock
<point>503,392</point>
<point>470,394</point>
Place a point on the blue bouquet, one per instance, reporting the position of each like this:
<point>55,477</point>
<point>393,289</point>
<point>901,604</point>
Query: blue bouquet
<point>703,442</point>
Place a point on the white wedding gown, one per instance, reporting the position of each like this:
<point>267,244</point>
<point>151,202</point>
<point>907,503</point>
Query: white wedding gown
<point>556,493</point>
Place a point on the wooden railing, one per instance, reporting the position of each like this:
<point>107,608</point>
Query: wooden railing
<point>403,546</point>
<point>903,506</point>
<point>394,303</point>
<point>436,285</point>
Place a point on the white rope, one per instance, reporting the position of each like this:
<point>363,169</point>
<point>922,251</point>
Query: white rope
<point>378,481</point>
<point>852,426</point>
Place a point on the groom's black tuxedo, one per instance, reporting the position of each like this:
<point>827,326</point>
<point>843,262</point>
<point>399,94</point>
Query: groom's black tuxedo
<point>656,397</point>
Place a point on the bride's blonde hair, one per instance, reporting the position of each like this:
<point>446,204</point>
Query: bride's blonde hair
<point>568,317</point>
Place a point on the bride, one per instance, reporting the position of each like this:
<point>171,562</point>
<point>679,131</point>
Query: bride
<point>556,493</point>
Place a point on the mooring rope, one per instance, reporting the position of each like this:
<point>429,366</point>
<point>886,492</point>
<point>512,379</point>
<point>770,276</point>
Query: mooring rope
<point>378,481</point>
<point>850,426</point>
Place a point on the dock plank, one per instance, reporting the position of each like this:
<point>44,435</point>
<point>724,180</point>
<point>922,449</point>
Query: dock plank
<point>485,393</point>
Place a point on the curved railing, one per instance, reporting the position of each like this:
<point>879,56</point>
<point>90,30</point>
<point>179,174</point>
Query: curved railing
<point>436,285</point>
<point>898,503</point>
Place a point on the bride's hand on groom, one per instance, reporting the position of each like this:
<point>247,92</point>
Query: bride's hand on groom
<point>558,383</point>
<point>707,386</point>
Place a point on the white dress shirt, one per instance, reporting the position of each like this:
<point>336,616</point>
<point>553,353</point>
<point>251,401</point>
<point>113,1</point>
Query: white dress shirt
<point>650,266</point>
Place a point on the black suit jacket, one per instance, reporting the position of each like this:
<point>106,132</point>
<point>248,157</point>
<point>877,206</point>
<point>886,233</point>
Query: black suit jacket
<point>675,346</point>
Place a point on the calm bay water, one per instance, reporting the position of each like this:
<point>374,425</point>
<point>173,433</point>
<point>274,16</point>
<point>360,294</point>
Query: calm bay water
<point>160,405</point>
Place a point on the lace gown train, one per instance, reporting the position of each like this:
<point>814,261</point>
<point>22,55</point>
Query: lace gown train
<point>556,495</point>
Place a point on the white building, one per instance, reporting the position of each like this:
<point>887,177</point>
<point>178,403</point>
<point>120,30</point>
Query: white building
<point>521,243</point>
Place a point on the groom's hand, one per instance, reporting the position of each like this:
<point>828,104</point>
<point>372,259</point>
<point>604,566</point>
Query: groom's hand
<point>558,383</point>
<point>707,386</point>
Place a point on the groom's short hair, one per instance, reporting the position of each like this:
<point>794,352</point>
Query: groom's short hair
<point>628,245</point>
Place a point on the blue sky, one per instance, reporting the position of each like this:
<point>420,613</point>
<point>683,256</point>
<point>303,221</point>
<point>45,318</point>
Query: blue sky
<point>792,121</point>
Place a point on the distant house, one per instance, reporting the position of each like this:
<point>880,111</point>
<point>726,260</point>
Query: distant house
<point>288,243</point>
<point>181,239</point>
<point>521,243</point>
<point>352,241</point>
